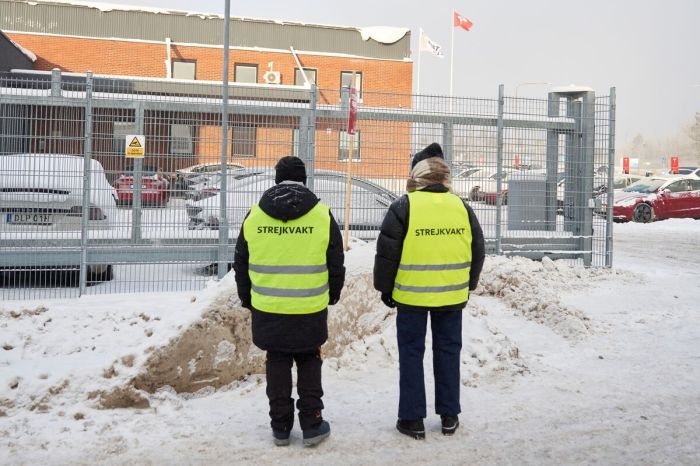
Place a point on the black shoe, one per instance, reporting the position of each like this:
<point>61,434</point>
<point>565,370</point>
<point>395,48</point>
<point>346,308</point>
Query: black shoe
<point>449,424</point>
<point>317,435</point>
<point>414,429</point>
<point>281,437</point>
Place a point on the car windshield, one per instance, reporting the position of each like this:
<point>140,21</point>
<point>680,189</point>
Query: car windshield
<point>619,183</point>
<point>467,172</point>
<point>644,186</point>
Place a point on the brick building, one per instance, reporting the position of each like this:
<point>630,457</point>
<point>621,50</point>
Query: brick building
<point>173,47</point>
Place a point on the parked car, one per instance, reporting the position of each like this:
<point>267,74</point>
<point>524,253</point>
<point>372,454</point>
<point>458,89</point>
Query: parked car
<point>155,188</point>
<point>465,172</point>
<point>41,198</point>
<point>481,185</point>
<point>369,201</point>
<point>212,185</point>
<point>185,177</point>
<point>683,171</point>
<point>657,198</point>
<point>622,181</point>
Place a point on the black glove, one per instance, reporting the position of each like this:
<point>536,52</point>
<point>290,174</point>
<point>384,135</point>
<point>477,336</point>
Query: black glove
<point>388,300</point>
<point>333,300</point>
<point>246,304</point>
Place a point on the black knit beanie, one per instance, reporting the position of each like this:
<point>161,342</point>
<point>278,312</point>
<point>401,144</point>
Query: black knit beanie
<point>433,150</point>
<point>290,169</point>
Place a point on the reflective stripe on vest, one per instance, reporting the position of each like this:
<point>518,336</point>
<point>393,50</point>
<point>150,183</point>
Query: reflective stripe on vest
<point>287,261</point>
<point>437,253</point>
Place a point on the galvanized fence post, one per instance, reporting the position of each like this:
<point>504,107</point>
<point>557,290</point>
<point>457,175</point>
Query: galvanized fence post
<point>222,263</point>
<point>136,202</point>
<point>611,179</point>
<point>87,162</point>
<point>311,137</point>
<point>448,143</point>
<point>499,166</point>
<point>587,161</point>
<point>56,82</point>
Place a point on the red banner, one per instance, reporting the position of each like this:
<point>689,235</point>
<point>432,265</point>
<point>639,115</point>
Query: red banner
<point>626,165</point>
<point>674,165</point>
<point>352,117</point>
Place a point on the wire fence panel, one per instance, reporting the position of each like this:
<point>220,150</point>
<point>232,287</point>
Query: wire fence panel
<point>80,217</point>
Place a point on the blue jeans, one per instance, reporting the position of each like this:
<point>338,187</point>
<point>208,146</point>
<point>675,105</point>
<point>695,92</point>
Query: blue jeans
<point>447,345</point>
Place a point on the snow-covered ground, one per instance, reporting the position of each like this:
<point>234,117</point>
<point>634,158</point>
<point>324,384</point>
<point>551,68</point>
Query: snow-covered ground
<point>560,365</point>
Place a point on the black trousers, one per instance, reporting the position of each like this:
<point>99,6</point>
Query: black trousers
<point>279,389</point>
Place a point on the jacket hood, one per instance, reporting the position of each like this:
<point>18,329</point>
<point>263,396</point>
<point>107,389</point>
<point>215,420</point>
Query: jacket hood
<point>287,201</point>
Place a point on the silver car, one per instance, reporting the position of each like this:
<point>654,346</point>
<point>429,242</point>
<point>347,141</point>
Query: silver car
<point>41,198</point>
<point>369,202</point>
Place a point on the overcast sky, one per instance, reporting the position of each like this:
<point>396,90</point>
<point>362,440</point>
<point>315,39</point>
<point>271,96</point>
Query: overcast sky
<point>647,49</point>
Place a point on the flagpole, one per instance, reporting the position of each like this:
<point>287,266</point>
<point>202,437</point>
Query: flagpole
<point>420,42</point>
<point>452,54</point>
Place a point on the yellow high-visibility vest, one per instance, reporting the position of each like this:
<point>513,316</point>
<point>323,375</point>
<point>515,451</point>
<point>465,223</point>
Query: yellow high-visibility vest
<point>287,261</point>
<point>437,253</point>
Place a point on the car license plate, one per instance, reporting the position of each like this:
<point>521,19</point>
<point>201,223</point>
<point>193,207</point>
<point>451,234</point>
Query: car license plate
<point>29,219</point>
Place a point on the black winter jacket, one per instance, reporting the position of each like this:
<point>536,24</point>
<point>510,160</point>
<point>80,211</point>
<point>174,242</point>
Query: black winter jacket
<point>282,332</point>
<point>390,246</point>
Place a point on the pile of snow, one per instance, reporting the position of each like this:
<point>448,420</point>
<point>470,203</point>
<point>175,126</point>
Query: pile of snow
<point>533,289</point>
<point>56,353</point>
<point>120,351</point>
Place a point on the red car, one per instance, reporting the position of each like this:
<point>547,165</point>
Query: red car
<point>155,189</point>
<point>652,199</point>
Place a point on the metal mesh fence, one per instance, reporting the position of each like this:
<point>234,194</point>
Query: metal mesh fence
<point>79,217</point>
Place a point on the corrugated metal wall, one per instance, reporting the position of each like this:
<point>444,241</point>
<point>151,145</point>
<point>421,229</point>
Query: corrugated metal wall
<point>77,20</point>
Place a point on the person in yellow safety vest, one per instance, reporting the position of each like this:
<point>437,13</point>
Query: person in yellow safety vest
<point>289,268</point>
<point>430,253</point>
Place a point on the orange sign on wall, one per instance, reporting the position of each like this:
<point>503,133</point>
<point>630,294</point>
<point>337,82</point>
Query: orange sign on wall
<point>625,165</point>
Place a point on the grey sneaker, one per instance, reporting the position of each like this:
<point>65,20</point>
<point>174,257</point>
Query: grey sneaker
<point>317,435</point>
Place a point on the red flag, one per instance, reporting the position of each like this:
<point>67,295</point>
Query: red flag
<point>461,21</point>
<point>352,115</point>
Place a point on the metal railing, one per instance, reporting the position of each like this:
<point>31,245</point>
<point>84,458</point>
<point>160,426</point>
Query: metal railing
<point>79,217</point>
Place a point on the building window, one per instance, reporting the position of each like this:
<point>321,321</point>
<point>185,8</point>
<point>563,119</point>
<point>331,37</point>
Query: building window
<point>181,141</point>
<point>245,73</point>
<point>299,79</point>
<point>346,77</point>
<point>244,141</point>
<point>295,142</point>
<point>184,69</point>
<point>121,129</point>
<point>344,146</point>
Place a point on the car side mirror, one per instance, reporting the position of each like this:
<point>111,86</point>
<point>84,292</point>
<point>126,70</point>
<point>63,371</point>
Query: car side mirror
<point>666,192</point>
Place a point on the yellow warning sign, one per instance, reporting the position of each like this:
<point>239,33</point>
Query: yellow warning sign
<point>135,146</point>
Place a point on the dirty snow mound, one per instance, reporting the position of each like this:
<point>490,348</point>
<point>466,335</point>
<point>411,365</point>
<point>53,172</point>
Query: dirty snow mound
<point>66,355</point>
<point>218,350</point>
<point>532,289</point>
<point>486,352</point>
